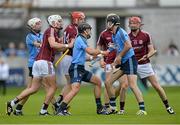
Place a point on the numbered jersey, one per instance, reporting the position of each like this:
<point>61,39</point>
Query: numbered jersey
<point>46,52</point>
<point>140,44</point>
<point>104,40</point>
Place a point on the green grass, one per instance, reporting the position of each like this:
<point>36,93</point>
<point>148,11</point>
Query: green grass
<point>83,109</point>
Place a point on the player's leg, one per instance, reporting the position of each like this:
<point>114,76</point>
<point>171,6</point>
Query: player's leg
<point>97,92</point>
<point>36,83</point>
<point>51,81</point>
<point>66,89</point>
<point>18,110</point>
<point>75,87</point>
<point>123,88</point>
<point>132,80</point>
<point>153,80</point>
<point>130,69</point>
<point>108,70</point>
<point>46,86</point>
<point>76,74</point>
<point>64,66</point>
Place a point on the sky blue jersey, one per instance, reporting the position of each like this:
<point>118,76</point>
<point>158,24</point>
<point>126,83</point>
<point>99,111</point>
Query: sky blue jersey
<point>79,50</point>
<point>119,38</point>
<point>32,49</point>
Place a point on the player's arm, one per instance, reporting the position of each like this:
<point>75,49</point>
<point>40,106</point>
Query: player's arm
<point>89,58</point>
<point>127,46</point>
<point>54,44</point>
<point>95,52</point>
<point>151,51</point>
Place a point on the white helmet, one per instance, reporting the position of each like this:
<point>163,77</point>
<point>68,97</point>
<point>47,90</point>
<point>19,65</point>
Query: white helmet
<point>32,22</point>
<point>54,18</point>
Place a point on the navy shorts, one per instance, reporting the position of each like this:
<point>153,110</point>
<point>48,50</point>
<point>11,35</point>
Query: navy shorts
<point>130,66</point>
<point>30,72</point>
<point>78,73</point>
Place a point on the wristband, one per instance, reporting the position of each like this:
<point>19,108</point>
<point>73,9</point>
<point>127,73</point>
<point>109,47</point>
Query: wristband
<point>91,58</point>
<point>66,45</point>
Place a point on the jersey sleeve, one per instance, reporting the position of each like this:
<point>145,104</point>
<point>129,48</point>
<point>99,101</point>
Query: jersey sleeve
<point>124,35</point>
<point>83,45</point>
<point>149,39</point>
<point>30,39</point>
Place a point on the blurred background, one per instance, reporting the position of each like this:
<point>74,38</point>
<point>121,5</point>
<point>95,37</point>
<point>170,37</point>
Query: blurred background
<point>161,18</point>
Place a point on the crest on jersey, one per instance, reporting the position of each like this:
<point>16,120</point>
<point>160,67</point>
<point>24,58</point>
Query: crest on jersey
<point>140,42</point>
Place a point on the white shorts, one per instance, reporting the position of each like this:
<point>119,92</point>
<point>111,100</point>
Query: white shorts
<point>65,64</point>
<point>42,68</point>
<point>145,70</point>
<point>108,68</point>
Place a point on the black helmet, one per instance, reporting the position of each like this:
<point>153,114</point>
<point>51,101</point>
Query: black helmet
<point>83,26</point>
<point>114,18</point>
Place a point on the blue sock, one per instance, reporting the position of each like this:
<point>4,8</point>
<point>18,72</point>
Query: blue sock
<point>112,101</point>
<point>98,103</point>
<point>141,106</point>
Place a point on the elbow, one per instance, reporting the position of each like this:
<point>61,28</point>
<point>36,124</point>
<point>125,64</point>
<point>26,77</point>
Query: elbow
<point>129,46</point>
<point>52,46</point>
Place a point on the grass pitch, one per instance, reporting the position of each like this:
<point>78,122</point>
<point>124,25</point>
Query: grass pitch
<point>83,109</point>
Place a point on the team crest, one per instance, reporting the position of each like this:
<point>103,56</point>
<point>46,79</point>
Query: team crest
<point>140,42</point>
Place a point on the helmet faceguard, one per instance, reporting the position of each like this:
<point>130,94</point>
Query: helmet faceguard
<point>112,19</point>
<point>82,28</point>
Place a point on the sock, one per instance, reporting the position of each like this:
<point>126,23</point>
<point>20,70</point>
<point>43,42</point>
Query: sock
<point>107,105</point>
<point>44,108</point>
<point>14,102</point>
<point>112,101</point>
<point>59,100</point>
<point>122,105</point>
<point>141,106</point>
<point>19,107</point>
<point>98,103</point>
<point>166,103</point>
<point>63,106</point>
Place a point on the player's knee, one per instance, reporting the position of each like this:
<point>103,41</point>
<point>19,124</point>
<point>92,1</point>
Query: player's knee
<point>75,89</point>
<point>34,90</point>
<point>157,87</point>
<point>124,86</point>
<point>133,86</point>
<point>107,85</point>
<point>55,87</point>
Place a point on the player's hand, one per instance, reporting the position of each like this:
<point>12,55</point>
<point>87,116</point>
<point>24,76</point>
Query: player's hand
<point>117,60</point>
<point>143,58</point>
<point>102,63</point>
<point>105,53</point>
<point>71,44</point>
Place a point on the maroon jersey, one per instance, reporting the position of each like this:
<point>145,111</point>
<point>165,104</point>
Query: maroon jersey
<point>140,44</point>
<point>104,39</point>
<point>46,52</point>
<point>70,33</point>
